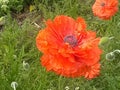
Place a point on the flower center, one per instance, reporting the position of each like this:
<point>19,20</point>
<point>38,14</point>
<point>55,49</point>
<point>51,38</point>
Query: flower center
<point>102,4</point>
<point>71,40</point>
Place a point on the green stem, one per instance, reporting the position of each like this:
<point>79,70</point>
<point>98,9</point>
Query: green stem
<point>59,83</point>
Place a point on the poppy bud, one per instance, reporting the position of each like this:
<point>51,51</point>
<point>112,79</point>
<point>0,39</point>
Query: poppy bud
<point>116,51</point>
<point>103,40</point>
<point>14,85</point>
<point>110,56</point>
<point>26,66</point>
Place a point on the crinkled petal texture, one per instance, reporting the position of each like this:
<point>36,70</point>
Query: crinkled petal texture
<point>68,48</point>
<point>105,9</point>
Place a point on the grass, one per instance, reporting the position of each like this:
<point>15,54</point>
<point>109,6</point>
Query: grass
<point>17,44</point>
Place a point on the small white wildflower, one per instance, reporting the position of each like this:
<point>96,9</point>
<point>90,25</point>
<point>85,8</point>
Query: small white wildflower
<point>4,1</point>
<point>4,7</point>
<point>77,88</point>
<point>26,66</point>
<point>110,56</point>
<point>14,85</point>
<point>2,18</point>
<point>67,88</point>
<point>14,56</point>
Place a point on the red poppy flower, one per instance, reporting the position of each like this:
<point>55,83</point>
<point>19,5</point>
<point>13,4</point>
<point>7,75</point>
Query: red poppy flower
<point>92,71</point>
<point>68,48</point>
<point>105,9</point>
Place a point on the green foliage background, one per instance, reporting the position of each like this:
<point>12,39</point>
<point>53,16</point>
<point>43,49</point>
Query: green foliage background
<point>17,44</point>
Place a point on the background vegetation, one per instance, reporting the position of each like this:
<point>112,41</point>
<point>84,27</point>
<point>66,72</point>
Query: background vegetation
<point>20,22</point>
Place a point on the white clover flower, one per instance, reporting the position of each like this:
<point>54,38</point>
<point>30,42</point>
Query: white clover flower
<point>77,88</point>
<point>14,85</point>
<point>67,88</point>
<point>26,66</point>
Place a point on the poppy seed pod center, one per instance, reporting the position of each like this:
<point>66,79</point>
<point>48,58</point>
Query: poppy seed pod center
<point>71,39</point>
<point>102,4</point>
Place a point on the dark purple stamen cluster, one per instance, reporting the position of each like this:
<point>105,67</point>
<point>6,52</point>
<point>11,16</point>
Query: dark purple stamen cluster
<point>102,4</point>
<point>71,39</point>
